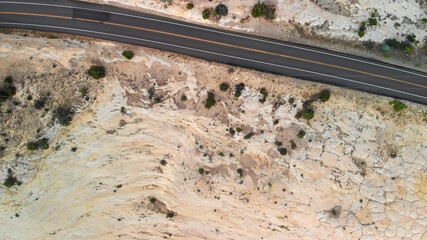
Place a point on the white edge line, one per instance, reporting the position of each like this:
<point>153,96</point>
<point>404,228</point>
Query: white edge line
<point>219,54</point>
<point>224,33</point>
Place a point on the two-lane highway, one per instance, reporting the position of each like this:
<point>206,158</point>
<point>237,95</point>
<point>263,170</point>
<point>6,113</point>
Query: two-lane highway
<point>121,25</point>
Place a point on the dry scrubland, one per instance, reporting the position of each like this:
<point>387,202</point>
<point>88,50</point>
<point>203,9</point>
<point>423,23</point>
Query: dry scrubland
<point>141,161</point>
<point>334,24</point>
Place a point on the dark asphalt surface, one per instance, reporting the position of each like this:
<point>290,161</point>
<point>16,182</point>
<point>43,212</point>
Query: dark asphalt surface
<point>358,73</point>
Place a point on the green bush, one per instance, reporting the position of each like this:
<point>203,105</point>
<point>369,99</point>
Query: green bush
<point>249,135</point>
<point>291,100</point>
<point>240,172</point>
<point>386,55</point>
<point>83,92</point>
<point>123,110</point>
<point>170,215</point>
<point>258,10</point>
<point>37,145</point>
<point>63,114</point>
<point>411,38</point>
<point>293,144</point>
<point>364,24</point>
<point>264,94</point>
<point>11,179</point>
<point>206,13</point>
<point>210,100</point>
<point>190,6</point>
<point>385,48</point>
<point>239,130</point>
<point>408,49</point>
<point>201,171</point>
<point>221,10</point>
<point>324,95</point>
<point>8,80</point>
<point>183,98</point>
<point>361,33</point>
<point>96,72</point>
<point>373,22</point>
<point>425,20</point>
<point>301,134</point>
<point>397,105</point>
<point>308,114</point>
<point>224,87</point>
<point>128,55</point>
<point>39,104</point>
<point>298,115</point>
<point>239,88</point>
<point>283,151</point>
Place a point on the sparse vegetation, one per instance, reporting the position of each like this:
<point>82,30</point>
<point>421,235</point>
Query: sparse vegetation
<point>210,100</point>
<point>163,162</point>
<point>39,103</point>
<point>291,100</point>
<point>63,114</point>
<point>265,10</point>
<point>96,72</point>
<point>397,105</point>
<point>152,200</point>
<point>224,87</point>
<point>206,13</point>
<point>239,88</point>
<point>239,130</point>
<point>293,145</point>
<point>83,92</point>
<point>282,151</point>
<point>221,10</point>
<point>170,215</point>
<point>361,33</point>
<point>373,21</point>
<point>324,95</point>
<point>123,110</point>
<point>201,171</point>
<point>128,55</point>
<point>275,122</point>
<point>183,98</point>
<point>41,144</point>
<point>249,135</point>
<point>301,134</point>
<point>308,114</point>
<point>8,80</point>
<point>11,179</point>
<point>240,172</point>
<point>264,94</point>
<point>190,6</point>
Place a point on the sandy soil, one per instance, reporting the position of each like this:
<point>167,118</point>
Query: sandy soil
<point>359,172</point>
<point>332,24</point>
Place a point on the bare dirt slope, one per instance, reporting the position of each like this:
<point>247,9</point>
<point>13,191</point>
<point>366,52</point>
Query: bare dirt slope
<point>164,166</point>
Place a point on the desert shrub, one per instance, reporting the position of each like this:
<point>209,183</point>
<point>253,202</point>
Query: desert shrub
<point>210,100</point>
<point>324,95</point>
<point>298,115</point>
<point>63,114</point>
<point>363,24</point>
<point>425,47</point>
<point>38,145</point>
<point>83,92</point>
<point>128,55</point>
<point>362,28</point>
<point>8,80</point>
<point>277,143</point>
<point>240,172</point>
<point>190,6</point>
<point>308,114</point>
<point>408,49</point>
<point>291,100</point>
<point>283,151</point>
<point>206,13</point>
<point>275,122</point>
<point>301,134</point>
<point>397,105</point>
<point>425,20</point>
<point>11,179</point>
<point>232,131</point>
<point>239,88</point>
<point>183,98</point>
<point>264,93</point>
<point>224,87</point>
<point>361,33</point>
<point>163,162</point>
<point>385,48</point>
<point>96,72</point>
<point>221,10</point>
<point>258,10</point>
<point>239,130</point>
<point>123,110</point>
<point>411,38</point>
<point>39,104</point>
<point>152,200</point>
<point>293,144</point>
<point>201,171</point>
<point>269,12</point>
<point>392,42</point>
<point>373,22</point>
<point>249,135</point>
<point>386,55</point>
<point>170,215</point>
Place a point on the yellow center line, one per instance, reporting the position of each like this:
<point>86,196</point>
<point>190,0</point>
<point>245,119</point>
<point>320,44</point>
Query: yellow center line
<point>222,44</point>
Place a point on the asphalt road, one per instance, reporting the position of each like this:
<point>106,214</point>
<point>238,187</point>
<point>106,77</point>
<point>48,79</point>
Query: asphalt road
<point>269,55</point>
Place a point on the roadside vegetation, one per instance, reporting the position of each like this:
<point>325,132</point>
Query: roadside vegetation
<point>128,55</point>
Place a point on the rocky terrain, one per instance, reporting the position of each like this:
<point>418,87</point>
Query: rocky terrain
<point>157,149</point>
<point>333,24</point>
